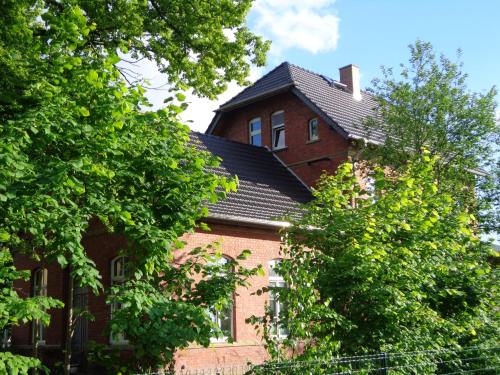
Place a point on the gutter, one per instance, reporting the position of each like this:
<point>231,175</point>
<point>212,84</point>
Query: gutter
<point>230,219</point>
<point>313,107</point>
<point>224,108</point>
<point>290,170</point>
<point>257,97</point>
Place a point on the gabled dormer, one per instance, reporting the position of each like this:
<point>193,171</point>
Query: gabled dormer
<point>308,120</point>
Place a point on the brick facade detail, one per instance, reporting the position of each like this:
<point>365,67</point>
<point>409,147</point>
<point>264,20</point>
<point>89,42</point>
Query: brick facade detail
<point>103,247</point>
<point>308,159</point>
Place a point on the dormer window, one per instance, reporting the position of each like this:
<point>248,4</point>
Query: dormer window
<point>313,129</point>
<point>255,130</point>
<point>278,129</point>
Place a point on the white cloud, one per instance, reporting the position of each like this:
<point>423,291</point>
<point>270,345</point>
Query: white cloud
<point>311,25</point>
<point>200,110</point>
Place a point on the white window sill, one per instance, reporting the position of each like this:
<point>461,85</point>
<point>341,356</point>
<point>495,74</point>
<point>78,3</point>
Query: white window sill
<point>119,343</point>
<point>219,340</point>
<point>312,141</point>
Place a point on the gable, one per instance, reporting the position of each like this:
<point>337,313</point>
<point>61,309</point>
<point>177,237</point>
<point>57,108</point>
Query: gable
<point>323,95</point>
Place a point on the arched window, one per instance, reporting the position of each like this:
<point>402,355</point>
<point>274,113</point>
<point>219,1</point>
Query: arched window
<point>276,281</point>
<point>223,319</point>
<point>119,272</point>
<point>39,279</point>
<point>278,129</point>
<point>255,132</point>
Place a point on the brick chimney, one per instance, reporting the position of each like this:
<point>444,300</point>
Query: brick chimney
<point>349,76</point>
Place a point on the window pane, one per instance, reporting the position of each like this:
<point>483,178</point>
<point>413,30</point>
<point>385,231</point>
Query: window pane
<point>256,140</point>
<point>279,138</point>
<point>255,125</point>
<point>225,321</point>
<point>272,272</point>
<point>278,119</point>
<point>313,129</point>
<point>273,306</point>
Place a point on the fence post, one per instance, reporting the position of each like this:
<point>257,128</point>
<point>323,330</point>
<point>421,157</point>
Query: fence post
<point>385,363</point>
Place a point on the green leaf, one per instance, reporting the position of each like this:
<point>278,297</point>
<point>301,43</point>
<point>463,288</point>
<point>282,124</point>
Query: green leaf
<point>84,111</point>
<point>4,236</point>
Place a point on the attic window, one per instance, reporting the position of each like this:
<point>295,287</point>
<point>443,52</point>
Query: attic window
<point>313,129</point>
<point>278,129</point>
<point>255,130</point>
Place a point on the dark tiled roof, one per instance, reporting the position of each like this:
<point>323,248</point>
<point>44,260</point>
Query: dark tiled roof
<point>323,94</point>
<point>267,189</point>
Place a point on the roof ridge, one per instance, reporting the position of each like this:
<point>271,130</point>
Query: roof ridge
<point>257,81</point>
<point>324,77</point>
<point>307,70</point>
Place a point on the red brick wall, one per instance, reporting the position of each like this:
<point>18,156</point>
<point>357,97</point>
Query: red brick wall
<point>55,288</point>
<point>103,247</point>
<point>331,145</point>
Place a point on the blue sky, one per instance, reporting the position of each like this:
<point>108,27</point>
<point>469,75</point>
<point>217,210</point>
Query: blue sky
<point>323,35</point>
<point>373,33</point>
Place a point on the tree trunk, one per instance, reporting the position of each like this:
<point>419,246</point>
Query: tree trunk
<point>69,324</point>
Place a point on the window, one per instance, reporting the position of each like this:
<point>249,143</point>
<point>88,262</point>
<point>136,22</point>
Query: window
<point>278,129</point>
<point>119,272</point>
<point>313,129</point>
<point>255,130</point>
<point>275,282</point>
<point>370,186</point>
<point>39,290</point>
<point>223,319</point>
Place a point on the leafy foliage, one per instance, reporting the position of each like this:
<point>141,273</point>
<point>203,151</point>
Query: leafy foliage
<point>77,144</point>
<point>401,269</point>
<point>198,44</point>
<point>158,321</point>
<point>429,105</point>
<point>18,364</point>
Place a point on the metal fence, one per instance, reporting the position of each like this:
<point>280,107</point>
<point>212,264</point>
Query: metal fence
<point>476,360</point>
<point>220,370</point>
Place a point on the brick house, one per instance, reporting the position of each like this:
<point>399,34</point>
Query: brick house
<point>277,136</point>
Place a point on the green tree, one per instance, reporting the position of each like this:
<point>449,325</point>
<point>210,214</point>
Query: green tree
<point>160,320</point>
<point>399,270</point>
<point>76,144</point>
<point>427,103</point>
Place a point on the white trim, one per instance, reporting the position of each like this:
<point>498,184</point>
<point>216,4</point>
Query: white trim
<point>253,133</point>
<point>278,282</point>
<point>275,128</point>
<point>215,315</point>
<point>40,281</point>
<point>309,127</point>
<point>118,339</point>
<point>248,221</point>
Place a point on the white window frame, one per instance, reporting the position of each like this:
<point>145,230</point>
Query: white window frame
<point>215,315</point>
<point>216,318</point>
<point>275,128</point>
<point>40,280</point>
<point>276,281</point>
<point>118,339</point>
<point>253,133</point>
<point>310,126</point>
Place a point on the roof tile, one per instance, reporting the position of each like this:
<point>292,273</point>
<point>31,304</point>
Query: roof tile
<point>267,189</point>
